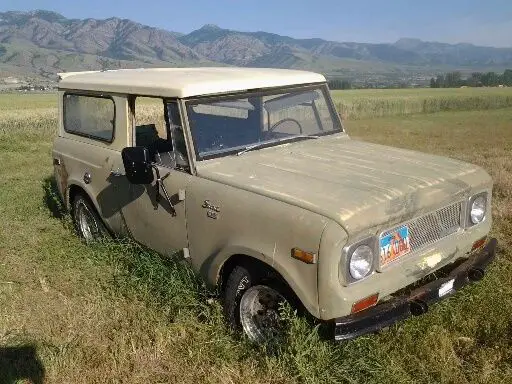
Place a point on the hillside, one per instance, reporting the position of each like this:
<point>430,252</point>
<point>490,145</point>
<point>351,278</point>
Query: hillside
<point>228,46</point>
<point>43,43</point>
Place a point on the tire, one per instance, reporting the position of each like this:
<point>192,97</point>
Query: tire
<point>252,303</point>
<point>88,224</point>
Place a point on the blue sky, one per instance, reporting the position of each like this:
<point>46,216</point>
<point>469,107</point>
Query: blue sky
<point>480,22</point>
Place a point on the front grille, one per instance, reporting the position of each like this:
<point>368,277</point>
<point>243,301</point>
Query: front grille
<point>432,227</point>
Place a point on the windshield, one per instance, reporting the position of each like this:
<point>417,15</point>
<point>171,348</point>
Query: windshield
<point>232,124</point>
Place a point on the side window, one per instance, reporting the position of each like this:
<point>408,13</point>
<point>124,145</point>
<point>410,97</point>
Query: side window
<point>89,116</point>
<point>151,130</point>
<point>165,142</point>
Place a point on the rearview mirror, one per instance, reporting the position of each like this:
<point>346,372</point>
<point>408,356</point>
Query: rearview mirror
<point>137,165</point>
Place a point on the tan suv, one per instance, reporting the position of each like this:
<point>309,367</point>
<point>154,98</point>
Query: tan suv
<point>250,175</point>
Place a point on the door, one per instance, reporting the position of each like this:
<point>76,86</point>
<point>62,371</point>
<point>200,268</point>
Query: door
<point>151,219</point>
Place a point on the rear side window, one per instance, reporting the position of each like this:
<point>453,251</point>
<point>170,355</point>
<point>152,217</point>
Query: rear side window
<point>89,116</point>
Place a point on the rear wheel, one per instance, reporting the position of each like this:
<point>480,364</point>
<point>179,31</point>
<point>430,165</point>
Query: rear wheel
<point>252,303</point>
<point>87,222</point>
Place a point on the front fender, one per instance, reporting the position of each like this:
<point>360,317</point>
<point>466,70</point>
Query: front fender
<point>330,291</point>
<point>302,292</point>
<point>214,266</point>
<point>246,223</point>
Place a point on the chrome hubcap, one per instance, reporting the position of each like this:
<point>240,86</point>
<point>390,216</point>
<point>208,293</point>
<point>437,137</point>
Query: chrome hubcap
<point>259,313</point>
<point>86,223</point>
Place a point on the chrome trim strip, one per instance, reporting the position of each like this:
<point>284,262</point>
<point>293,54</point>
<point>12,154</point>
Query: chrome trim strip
<point>373,243</point>
<point>467,220</point>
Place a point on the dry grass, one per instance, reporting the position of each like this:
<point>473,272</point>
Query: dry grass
<point>117,313</point>
<point>363,104</point>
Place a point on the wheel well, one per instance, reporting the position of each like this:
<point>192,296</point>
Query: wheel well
<point>267,271</point>
<point>75,190</point>
<point>264,269</point>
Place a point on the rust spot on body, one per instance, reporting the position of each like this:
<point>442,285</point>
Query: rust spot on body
<point>61,174</point>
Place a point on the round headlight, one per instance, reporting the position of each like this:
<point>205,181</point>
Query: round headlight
<point>361,262</point>
<point>478,207</point>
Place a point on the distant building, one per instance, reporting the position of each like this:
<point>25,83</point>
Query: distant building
<point>11,80</point>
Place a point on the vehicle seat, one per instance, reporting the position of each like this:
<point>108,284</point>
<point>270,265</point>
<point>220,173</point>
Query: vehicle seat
<point>147,136</point>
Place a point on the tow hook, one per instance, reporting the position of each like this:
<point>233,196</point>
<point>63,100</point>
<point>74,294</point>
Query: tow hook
<point>476,274</point>
<point>418,307</point>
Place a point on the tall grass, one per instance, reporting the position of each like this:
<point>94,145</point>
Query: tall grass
<point>40,122</point>
<point>361,104</point>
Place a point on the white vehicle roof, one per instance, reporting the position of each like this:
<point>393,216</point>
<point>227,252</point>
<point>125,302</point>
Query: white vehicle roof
<point>185,82</point>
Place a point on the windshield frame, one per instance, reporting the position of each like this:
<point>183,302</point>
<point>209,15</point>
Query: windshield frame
<point>187,102</point>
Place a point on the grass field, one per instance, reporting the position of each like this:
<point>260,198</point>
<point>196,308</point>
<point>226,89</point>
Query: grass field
<point>353,104</point>
<point>116,313</point>
<point>361,104</point>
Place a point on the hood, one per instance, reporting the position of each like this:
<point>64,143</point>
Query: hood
<point>361,186</point>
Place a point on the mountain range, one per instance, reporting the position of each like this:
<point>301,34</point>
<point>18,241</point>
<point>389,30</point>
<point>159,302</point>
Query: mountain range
<point>43,43</point>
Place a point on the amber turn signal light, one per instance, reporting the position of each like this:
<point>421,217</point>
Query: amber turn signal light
<point>479,244</point>
<point>306,257</point>
<point>367,302</point>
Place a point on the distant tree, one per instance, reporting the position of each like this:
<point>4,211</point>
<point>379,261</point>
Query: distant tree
<point>507,77</point>
<point>345,84</point>
<point>490,79</point>
<point>440,81</point>
<point>340,84</point>
<point>475,80</point>
<point>335,84</point>
<point>452,80</point>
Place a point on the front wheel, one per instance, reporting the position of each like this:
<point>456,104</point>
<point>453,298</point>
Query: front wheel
<point>252,303</point>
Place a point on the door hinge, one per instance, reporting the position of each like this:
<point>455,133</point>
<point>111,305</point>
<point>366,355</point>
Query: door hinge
<point>181,194</point>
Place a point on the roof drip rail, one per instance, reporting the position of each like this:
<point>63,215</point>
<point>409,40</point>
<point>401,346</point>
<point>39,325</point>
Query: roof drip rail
<point>64,75</point>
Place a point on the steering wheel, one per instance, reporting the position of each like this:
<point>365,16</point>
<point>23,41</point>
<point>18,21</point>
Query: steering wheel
<point>271,129</point>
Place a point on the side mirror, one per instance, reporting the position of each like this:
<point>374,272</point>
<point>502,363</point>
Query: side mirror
<point>137,165</point>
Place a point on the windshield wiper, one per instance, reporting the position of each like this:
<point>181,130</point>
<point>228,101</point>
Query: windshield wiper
<point>264,143</point>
